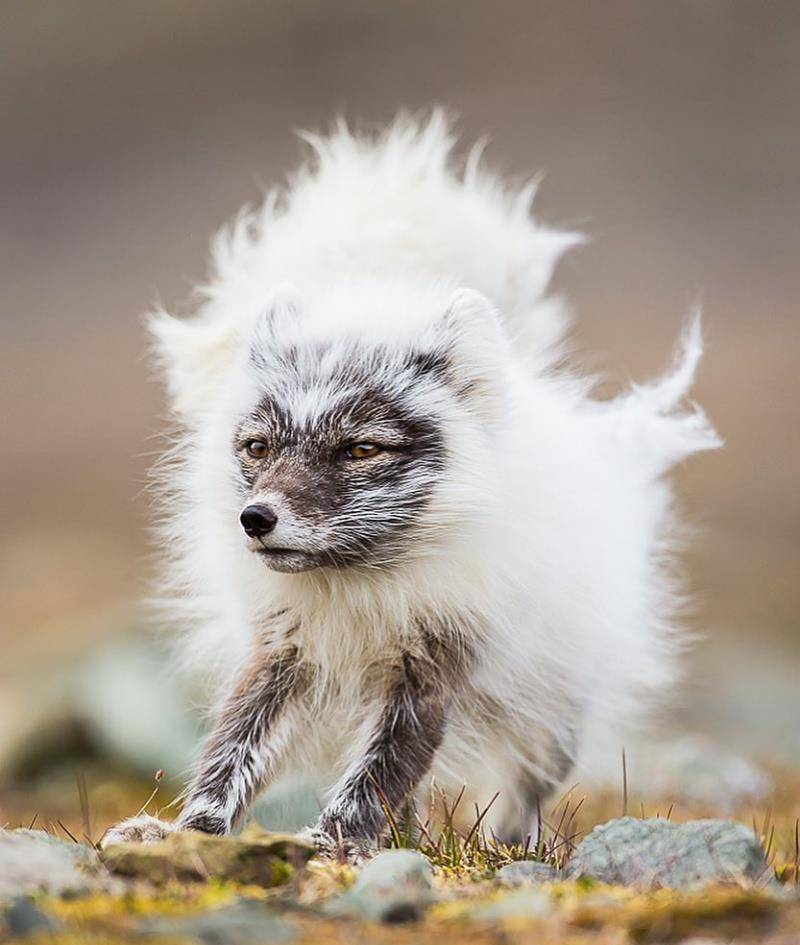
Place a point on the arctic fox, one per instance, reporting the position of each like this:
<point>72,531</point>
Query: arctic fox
<point>405,541</point>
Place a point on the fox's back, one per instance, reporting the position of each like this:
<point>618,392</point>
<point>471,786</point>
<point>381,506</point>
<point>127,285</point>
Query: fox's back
<point>400,206</point>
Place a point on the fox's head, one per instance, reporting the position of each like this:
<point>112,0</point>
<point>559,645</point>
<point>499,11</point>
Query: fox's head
<point>347,442</point>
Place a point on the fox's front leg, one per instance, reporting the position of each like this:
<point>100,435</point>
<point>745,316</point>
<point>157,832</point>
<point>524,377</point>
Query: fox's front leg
<point>407,733</point>
<point>238,758</point>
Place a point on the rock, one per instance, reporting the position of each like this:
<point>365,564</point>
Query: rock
<point>656,853</point>
<point>246,922</point>
<point>522,903</point>
<point>697,768</point>
<point>34,861</point>
<point>395,886</point>
<point>688,765</point>
<point>23,918</point>
<point>118,700</point>
<point>35,708</point>
<point>288,805</point>
<point>526,871</point>
<point>265,859</point>
<point>133,711</point>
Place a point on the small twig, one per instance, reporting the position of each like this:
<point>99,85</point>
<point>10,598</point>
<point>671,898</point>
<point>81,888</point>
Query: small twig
<point>767,821</point>
<point>539,837</point>
<point>770,840</point>
<point>559,829</point>
<point>68,832</point>
<point>624,785</point>
<point>83,798</point>
<point>157,777</point>
<point>387,811</point>
<point>424,829</point>
<point>477,823</point>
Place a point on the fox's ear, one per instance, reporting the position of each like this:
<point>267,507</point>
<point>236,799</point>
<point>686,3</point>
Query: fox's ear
<point>280,311</point>
<point>471,337</point>
<point>196,352</point>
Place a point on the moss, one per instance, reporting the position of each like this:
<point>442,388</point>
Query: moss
<point>173,899</point>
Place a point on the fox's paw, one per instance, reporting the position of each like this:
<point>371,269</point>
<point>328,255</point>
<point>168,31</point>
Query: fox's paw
<point>345,850</point>
<point>142,829</point>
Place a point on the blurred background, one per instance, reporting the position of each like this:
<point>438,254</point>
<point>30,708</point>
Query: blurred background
<point>668,132</point>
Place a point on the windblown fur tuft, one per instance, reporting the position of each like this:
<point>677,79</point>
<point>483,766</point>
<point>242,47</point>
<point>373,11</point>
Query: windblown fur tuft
<point>518,530</point>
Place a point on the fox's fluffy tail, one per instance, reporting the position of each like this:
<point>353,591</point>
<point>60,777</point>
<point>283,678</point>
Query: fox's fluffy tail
<point>649,420</point>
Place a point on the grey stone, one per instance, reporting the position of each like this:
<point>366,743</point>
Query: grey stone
<point>34,861</point>
<point>395,886</point>
<point>683,765</point>
<point>525,872</point>
<point>76,852</point>
<point>656,853</point>
<point>522,903</point>
<point>117,696</point>
<point>288,805</point>
<point>699,769</point>
<point>133,712</point>
<point>23,918</point>
<point>246,922</point>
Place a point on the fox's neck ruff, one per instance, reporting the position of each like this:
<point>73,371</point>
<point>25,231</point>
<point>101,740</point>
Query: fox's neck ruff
<point>357,614</point>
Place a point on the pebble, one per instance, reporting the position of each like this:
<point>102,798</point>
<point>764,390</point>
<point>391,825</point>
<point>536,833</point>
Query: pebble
<point>395,886</point>
<point>522,903</point>
<point>525,872</point>
<point>22,918</point>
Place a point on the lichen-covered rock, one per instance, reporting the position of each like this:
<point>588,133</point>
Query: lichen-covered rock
<point>245,922</point>
<point>265,859</point>
<point>656,853</point>
<point>396,886</point>
<point>525,872</point>
<point>34,861</point>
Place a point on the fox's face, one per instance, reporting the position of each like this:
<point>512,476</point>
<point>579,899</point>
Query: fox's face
<point>346,455</point>
<point>340,457</point>
<point>351,448</point>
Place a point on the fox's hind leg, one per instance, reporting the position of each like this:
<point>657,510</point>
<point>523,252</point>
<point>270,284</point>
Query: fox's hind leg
<point>536,789</point>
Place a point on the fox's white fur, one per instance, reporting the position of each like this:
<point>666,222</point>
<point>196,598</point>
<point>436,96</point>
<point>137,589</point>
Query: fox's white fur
<point>548,536</point>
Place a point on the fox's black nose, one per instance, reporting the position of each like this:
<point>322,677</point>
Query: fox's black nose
<point>258,520</point>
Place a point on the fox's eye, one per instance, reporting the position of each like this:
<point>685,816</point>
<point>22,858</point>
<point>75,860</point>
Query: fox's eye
<point>258,449</point>
<point>362,450</point>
